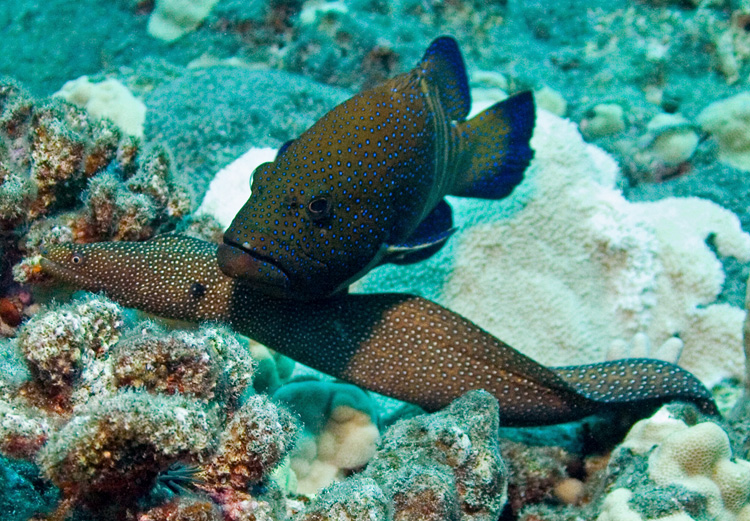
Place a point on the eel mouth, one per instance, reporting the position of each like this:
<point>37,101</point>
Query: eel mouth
<point>250,266</point>
<point>60,272</point>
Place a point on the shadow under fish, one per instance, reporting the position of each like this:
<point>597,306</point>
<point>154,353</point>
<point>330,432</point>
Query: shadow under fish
<point>398,345</point>
<point>365,185</point>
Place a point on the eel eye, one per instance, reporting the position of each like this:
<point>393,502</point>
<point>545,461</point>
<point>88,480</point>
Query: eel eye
<point>76,258</point>
<point>319,209</point>
<point>197,290</point>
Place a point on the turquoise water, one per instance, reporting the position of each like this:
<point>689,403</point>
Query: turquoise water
<point>590,258</point>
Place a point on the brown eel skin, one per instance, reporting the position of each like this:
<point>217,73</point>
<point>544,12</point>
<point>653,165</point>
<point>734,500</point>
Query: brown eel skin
<point>398,345</point>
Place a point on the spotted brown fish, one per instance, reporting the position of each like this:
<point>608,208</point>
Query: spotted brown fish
<point>396,344</point>
<point>365,185</point>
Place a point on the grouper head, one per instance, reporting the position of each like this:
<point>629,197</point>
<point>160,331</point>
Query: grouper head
<point>304,231</point>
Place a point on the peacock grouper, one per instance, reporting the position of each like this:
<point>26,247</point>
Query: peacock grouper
<point>365,185</point>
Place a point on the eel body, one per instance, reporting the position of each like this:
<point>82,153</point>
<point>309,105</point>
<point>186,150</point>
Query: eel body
<point>398,345</point>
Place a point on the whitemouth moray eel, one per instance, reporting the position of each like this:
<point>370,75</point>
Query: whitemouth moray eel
<point>395,344</point>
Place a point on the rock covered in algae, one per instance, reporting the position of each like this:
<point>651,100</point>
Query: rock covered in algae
<point>67,176</point>
<point>51,150</point>
<point>213,365</point>
<point>444,465</point>
<point>118,444</point>
<point>107,410</point>
<point>57,345</point>
<point>254,441</point>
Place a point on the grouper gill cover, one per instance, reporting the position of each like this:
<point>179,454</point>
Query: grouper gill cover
<point>365,185</point>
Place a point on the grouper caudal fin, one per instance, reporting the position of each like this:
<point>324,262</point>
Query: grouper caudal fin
<point>494,148</point>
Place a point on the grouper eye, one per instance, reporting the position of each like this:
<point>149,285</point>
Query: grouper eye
<point>319,209</point>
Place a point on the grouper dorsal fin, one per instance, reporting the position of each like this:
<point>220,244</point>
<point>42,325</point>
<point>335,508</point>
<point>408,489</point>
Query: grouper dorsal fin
<point>431,235</point>
<point>494,148</point>
<point>443,68</point>
<point>283,148</point>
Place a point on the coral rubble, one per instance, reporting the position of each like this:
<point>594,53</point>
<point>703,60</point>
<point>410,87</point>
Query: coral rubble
<point>107,410</point>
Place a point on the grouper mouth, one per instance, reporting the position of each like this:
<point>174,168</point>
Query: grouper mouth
<point>251,266</point>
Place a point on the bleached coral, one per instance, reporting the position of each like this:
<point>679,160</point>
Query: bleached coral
<point>230,187</point>
<point>107,99</point>
<point>172,19</point>
<point>697,459</point>
<point>727,122</point>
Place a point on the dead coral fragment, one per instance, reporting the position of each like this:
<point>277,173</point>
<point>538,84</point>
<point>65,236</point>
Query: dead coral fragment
<point>118,444</point>
<point>209,364</point>
<point>152,360</point>
<point>258,437</point>
<point>56,344</point>
<point>66,148</point>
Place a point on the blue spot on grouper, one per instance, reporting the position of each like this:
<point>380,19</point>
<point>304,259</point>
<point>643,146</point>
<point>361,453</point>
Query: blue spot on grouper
<point>365,185</point>
<point>399,345</point>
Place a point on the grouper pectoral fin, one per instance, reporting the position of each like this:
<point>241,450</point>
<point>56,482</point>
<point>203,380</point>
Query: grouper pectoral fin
<point>494,148</point>
<point>431,235</point>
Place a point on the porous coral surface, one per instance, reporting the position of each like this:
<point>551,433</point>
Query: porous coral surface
<point>108,409</point>
<point>665,457</point>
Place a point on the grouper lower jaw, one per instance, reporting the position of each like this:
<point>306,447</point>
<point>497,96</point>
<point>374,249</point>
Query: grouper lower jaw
<point>238,264</point>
